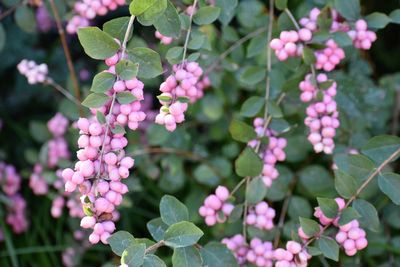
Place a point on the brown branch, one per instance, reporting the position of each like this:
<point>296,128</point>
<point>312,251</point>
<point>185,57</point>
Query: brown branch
<point>67,53</point>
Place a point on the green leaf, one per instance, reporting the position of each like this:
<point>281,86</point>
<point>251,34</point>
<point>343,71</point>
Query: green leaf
<point>377,20</point>
<point>328,206</point>
<point>256,191</point>
<point>126,69</point>
<point>329,247</point>
<point>133,256</point>
<point>25,18</point>
<point>125,97</point>
<point>308,56</point>
<point>345,184</point>
<point>281,4</point>
<point>252,106</point>
<point>172,210</point>
<point>186,257</point>
<point>151,260</point>
<point>369,215</point>
<point>299,207</point>
<point>379,148</point>
<point>182,234</point>
<point>274,110</point>
<point>95,100</point>
<point>389,183</point>
<point>317,181</point>
<point>151,15</point>
<point>349,9</point>
<point>117,28</point>
<point>119,241</point>
<point>248,163</point>
<point>100,117</point>
<point>169,24</point>
<point>236,213</point>
<point>138,7</point>
<point>310,227</point>
<point>228,8</point>
<point>204,174</point>
<point>241,131</point>
<point>206,15</point>
<point>149,62</point>
<point>102,82</point>
<point>157,228</point>
<point>96,43</point>
<point>395,16</point>
<point>347,215</point>
<point>215,254</point>
<point>118,129</point>
<point>342,39</point>
<point>313,251</point>
<point>256,46</point>
<point>174,54</point>
<point>252,75</point>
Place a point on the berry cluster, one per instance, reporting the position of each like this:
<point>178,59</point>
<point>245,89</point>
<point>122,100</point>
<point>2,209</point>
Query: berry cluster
<point>293,256</point>
<point>164,39</point>
<point>271,154</point>
<point>350,235</point>
<point>102,161</point>
<point>362,38</point>
<point>310,22</point>
<point>216,209</point>
<point>261,254</point>
<point>123,114</point>
<point>37,182</point>
<point>33,72</point>
<point>87,10</point>
<point>261,216</point>
<point>352,238</point>
<point>322,116</point>
<point>237,244</point>
<point>180,86</point>
<point>10,183</point>
<point>329,57</point>
<point>57,147</point>
<point>287,44</point>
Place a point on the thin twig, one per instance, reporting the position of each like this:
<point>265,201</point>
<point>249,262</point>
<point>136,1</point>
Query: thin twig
<point>114,96</point>
<point>154,247</point>
<point>284,210</point>
<point>188,32</point>
<point>62,90</point>
<point>67,53</point>
<point>233,47</point>
<point>267,89</point>
<point>11,9</point>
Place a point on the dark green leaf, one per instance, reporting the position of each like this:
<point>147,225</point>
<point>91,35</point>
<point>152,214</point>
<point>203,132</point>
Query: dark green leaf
<point>377,20</point>
<point>96,43</point>
<point>389,183</point>
<point>186,257</point>
<point>281,4</point>
<point>248,163</point>
<point>308,56</point>
<point>25,18</point>
<point>345,184</point>
<point>310,227</point>
<point>347,215</point>
<point>215,254</point>
<point>157,228</point>
<point>395,16</point>
<point>133,256</point>
<point>182,234</point>
<point>252,106</point>
<point>228,8</point>
<point>206,15</point>
<point>119,241</point>
<point>100,117</point>
<point>102,82</point>
<point>328,206</point>
<point>174,54</point>
<point>95,100</point>
<point>125,97</point>
<point>329,247</point>
<point>151,260</point>
<point>149,62</point>
<point>379,148</point>
<point>117,28</point>
<point>369,215</point>
<point>168,23</point>
<point>256,191</point>
<point>349,9</point>
<point>172,210</point>
<point>252,75</point>
<point>241,131</point>
<point>126,69</point>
